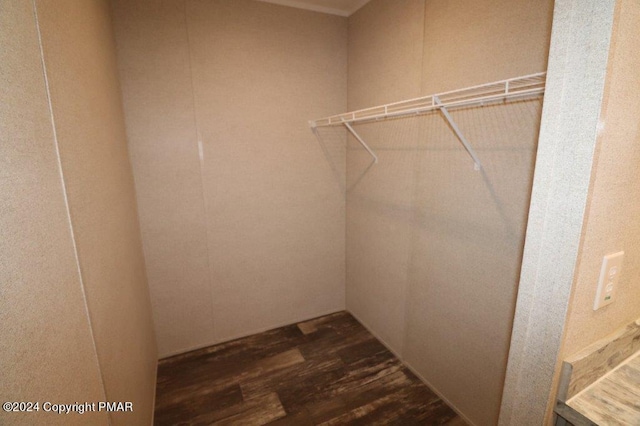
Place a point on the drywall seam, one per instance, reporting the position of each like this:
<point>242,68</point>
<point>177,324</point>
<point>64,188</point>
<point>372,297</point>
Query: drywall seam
<point>413,238</point>
<point>201,165</point>
<point>346,169</point>
<point>424,42</point>
<point>414,371</point>
<point>66,201</point>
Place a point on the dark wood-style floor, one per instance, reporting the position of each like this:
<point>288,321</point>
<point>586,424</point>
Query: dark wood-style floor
<point>328,371</point>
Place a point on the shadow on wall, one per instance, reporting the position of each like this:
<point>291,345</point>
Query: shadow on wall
<point>331,141</point>
<point>435,248</point>
<point>503,135</point>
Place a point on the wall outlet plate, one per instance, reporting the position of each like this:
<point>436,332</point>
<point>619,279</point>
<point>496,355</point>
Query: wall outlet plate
<point>609,277</point>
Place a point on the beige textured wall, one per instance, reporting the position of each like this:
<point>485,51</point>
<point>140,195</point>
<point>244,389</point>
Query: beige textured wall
<point>469,43</point>
<point>79,53</point>
<point>75,306</point>
<point>47,348</point>
<point>433,247</point>
<point>385,57</point>
<point>242,210</point>
<point>614,201</point>
<point>153,57</point>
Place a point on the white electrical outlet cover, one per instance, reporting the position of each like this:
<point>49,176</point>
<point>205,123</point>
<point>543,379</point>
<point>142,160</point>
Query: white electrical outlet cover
<point>608,282</point>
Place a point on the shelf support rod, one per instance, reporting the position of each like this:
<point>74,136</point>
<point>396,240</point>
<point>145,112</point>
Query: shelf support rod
<point>458,133</point>
<point>357,136</point>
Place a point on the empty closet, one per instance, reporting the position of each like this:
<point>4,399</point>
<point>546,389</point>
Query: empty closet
<point>338,195</point>
<point>250,222</point>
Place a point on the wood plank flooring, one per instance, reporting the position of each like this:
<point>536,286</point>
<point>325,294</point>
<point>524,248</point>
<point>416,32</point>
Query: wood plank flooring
<point>327,371</point>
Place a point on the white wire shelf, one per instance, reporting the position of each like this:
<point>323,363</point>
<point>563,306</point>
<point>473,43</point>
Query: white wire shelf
<point>517,88</point>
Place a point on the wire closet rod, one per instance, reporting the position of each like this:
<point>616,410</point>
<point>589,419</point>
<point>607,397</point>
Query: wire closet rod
<point>523,87</point>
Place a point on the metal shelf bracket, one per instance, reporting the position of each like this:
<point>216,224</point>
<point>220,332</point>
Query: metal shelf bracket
<point>351,130</point>
<point>357,136</point>
<point>443,109</point>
